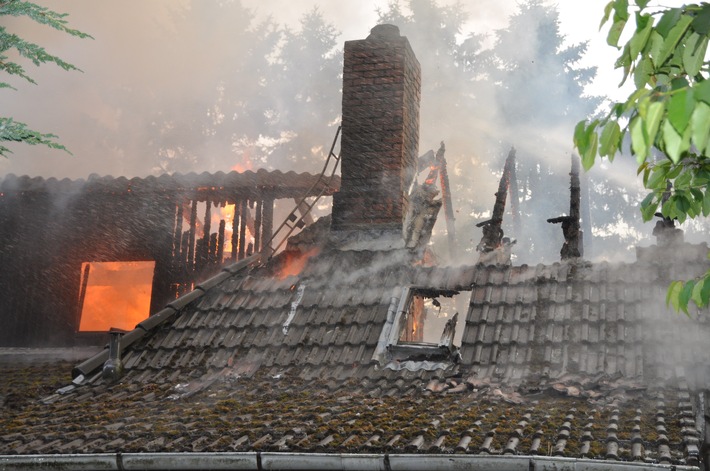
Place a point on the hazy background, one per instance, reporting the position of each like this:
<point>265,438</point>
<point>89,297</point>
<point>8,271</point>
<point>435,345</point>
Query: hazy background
<point>181,85</point>
<point>138,49</point>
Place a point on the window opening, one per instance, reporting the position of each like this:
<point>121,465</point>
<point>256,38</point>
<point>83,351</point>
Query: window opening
<point>428,314</point>
<point>423,327</point>
<point>114,294</point>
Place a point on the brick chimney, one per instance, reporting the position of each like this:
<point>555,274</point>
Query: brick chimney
<point>380,132</point>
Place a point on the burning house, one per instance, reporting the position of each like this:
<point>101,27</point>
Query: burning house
<point>367,358</point>
<point>107,252</point>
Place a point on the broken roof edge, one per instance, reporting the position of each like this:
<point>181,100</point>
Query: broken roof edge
<point>90,365</point>
<point>318,461</point>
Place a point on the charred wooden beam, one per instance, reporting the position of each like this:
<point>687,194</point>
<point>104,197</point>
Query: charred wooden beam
<point>267,226</point>
<point>177,231</point>
<point>242,230</point>
<point>213,249</point>
<point>191,240</point>
<point>235,230</point>
<point>571,228</point>
<point>446,200</point>
<point>492,238</point>
<point>514,199</point>
<point>257,224</point>
<point>207,229</point>
<point>423,209</point>
<point>220,241</point>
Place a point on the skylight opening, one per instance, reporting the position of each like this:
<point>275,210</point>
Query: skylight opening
<point>427,314</point>
<point>115,294</point>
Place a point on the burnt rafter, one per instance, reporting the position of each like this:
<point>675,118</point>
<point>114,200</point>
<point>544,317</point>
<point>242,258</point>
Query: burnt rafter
<point>493,237</point>
<point>423,205</point>
<point>573,246</point>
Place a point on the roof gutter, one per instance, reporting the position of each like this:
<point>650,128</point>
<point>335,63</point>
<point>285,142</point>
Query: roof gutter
<point>316,461</point>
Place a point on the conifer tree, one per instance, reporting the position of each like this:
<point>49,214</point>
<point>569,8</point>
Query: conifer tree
<point>13,45</point>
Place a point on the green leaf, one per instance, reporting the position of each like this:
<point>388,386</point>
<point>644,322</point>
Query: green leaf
<point>654,114</point>
<point>673,142</point>
<point>706,203</point>
<point>585,140</point>
<point>615,31</point>
<point>668,20</point>
<point>672,294</point>
<point>644,26</point>
<point>705,290</point>
<point>621,9</point>
<point>701,22</point>
<point>696,296</point>
<point>656,42</point>
<point>685,295</point>
<point>639,142</point>
<point>677,208</point>
<point>694,54</point>
<point>697,195</point>
<point>683,180</point>
<point>610,139</point>
<point>701,91</point>
<point>649,205</point>
<point>673,37</point>
<point>700,123</point>
<point>674,171</point>
<point>607,12</point>
<point>643,72</point>
<point>642,3</point>
<point>658,178</point>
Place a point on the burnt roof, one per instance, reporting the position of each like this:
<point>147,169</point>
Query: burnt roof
<point>559,352</point>
<point>274,182</point>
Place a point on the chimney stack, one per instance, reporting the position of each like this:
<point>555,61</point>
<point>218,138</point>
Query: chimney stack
<point>380,132</point>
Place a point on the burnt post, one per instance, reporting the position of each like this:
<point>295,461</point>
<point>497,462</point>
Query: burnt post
<point>571,228</point>
<point>446,199</point>
<point>492,229</point>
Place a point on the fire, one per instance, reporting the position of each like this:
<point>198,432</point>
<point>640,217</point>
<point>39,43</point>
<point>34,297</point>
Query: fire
<point>295,262</point>
<point>225,213</point>
<point>117,294</point>
<point>244,165</point>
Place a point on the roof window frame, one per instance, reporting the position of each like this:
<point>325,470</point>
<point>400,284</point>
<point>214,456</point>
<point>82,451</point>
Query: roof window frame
<point>391,350</point>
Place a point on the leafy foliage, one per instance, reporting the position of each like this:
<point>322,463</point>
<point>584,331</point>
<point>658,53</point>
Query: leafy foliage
<point>667,116</point>
<point>11,130</point>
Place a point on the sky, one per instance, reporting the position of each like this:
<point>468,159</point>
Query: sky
<point>128,52</point>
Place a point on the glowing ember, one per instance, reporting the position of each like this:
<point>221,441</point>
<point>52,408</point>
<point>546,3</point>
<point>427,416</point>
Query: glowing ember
<point>294,263</point>
<point>244,165</point>
<point>117,295</point>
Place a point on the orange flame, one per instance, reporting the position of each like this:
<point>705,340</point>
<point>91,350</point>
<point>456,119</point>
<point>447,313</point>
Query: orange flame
<point>294,263</point>
<point>244,165</point>
<point>117,295</point>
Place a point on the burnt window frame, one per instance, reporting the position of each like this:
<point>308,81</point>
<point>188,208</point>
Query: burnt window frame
<point>391,349</point>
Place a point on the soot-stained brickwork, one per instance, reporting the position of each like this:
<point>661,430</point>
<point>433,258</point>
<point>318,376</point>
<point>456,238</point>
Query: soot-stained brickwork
<point>380,136</point>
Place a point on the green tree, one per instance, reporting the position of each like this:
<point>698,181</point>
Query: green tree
<point>13,45</point>
<point>667,116</point>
